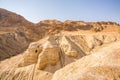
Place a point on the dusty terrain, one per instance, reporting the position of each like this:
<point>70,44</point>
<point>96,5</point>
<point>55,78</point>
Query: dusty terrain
<point>55,50</point>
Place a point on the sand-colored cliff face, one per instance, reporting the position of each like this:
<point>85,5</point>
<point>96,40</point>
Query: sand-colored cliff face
<point>55,50</point>
<point>10,70</point>
<point>103,64</point>
<point>67,56</point>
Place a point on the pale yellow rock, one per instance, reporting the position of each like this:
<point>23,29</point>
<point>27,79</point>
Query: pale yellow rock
<point>95,56</point>
<point>101,65</point>
<point>68,48</point>
<point>44,52</point>
<point>49,54</point>
<point>31,55</point>
<point>53,52</point>
<point>14,72</point>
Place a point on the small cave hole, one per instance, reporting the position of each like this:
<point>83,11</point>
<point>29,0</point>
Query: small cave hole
<point>37,46</point>
<point>36,51</point>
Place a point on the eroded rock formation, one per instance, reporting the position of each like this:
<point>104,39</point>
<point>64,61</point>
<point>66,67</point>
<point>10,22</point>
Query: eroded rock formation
<point>103,64</point>
<point>55,50</point>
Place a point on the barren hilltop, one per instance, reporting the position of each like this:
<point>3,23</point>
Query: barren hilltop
<point>55,50</point>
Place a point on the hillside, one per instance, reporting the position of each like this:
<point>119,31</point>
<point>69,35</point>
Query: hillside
<point>55,50</point>
<point>15,34</point>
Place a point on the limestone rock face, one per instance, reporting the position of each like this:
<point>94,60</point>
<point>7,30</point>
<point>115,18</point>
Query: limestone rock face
<point>14,72</point>
<point>66,56</point>
<point>54,52</point>
<point>104,64</point>
<point>49,55</point>
<point>44,53</point>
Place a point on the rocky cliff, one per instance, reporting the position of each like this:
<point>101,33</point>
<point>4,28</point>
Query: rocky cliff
<point>55,50</point>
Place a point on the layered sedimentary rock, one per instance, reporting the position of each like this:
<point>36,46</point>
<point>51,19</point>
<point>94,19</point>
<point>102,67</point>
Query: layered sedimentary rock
<point>11,44</point>
<point>15,34</point>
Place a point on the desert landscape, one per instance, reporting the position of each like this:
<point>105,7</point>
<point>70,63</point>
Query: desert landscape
<point>56,50</point>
